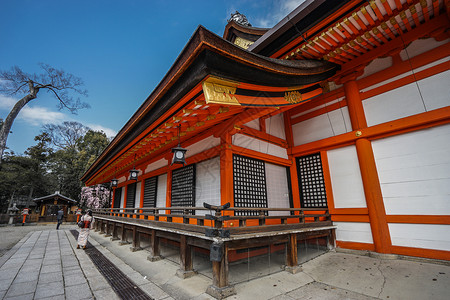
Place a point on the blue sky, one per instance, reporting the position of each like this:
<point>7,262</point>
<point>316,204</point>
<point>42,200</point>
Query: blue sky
<point>121,49</point>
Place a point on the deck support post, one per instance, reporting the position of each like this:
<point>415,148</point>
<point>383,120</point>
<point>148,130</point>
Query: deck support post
<point>220,288</point>
<point>291,255</point>
<point>136,244</point>
<point>108,227</point>
<point>186,263</point>
<point>114,236</point>
<point>154,247</point>
<point>102,226</point>
<point>123,240</point>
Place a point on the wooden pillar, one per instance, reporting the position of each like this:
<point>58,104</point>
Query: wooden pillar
<point>142,195</point>
<point>125,190</point>
<point>114,232</point>
<point>186,263</point>
<point>293,167</point>
<point>136,244</point>
<point>107,231</point>
<point>123,239</point>
<point>226,173</point>
<point>220,288</point>
<point>368,169</point>
<point>154,247</point>
<point>291,255</point>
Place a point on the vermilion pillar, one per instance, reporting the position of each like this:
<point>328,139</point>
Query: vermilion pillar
<point>226,174</point>
<point>368,169</point>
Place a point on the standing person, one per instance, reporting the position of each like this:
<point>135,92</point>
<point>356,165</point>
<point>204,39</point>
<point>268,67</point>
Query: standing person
<point>88,221</point>
<point>59,217</point>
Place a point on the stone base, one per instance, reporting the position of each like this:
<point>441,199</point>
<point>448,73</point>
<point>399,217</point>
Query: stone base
<point>114,238</point>
<point>134,249</point>
<point>185,274</point>
<point>121,243</point>
<point>220,293</point>
<point>293,270</point>
<point>154,258</point>
<point>107,234</point>
<point>387,256</point>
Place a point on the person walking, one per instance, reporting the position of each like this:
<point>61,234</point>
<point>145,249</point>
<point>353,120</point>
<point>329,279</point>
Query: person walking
<point>59,218</point>
<point>88,224</point>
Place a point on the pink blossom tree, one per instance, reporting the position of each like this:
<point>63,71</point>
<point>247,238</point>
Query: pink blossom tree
<point>96,196</point>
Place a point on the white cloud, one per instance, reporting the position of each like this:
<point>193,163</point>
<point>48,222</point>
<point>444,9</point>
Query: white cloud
<point>108,131</point>
<point>6,103</point>
<point>280,9</point>
<point>36,116</point>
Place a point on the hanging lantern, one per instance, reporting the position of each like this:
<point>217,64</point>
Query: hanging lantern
<point>114,182</point>
<point>134,174</point>
<point>179,153</point>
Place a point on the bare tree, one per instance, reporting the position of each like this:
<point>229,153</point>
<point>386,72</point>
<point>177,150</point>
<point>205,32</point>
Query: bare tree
<point>65,135</point>
<point>60,84</point>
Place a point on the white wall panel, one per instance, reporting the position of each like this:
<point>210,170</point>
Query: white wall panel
<point>324,126</point>
<point>277,188</point>
<point>377,65</point>
<point>137,201</point>
<point>275,126</point>
<point>354,232</point>
<point>421,46</point>
<point>435,90</point>
<point>122,197</point>
<point>162,190</point>
<point>429,236</point>
<point>202,145</point>
<point>414,171</point>
<point>260,146</point>
<point>253,124</point>
<point>207,183</point>
<point>156,165</point>
<point>346,182</point>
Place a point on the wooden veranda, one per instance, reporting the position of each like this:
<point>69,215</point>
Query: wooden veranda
<point>224,230</point>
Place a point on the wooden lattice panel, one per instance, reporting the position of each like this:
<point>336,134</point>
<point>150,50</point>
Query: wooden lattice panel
<point>183,187</point>
<point>150,191</point>
<point>117,197</point>
<point>131,195</point>
<point>311,182</point>
<point>249,183</point>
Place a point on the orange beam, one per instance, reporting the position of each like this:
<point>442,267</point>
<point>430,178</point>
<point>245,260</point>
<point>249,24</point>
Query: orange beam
<point>261,156</point>
<point>419,219</point>
<point>262,136</point>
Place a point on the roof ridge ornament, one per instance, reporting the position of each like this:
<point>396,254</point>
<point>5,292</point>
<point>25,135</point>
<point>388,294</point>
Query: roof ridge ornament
<point>239,18</point>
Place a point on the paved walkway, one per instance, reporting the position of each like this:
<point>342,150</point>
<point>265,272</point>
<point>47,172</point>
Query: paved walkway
<point>45,264</point>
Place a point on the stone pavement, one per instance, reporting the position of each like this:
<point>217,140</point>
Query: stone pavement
<point>45,264</point>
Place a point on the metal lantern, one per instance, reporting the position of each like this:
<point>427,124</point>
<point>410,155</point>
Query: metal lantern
<point>114,182</point>
<point>134,174</point>
<point>179,153</point>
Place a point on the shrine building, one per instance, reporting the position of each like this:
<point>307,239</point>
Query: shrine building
<point>329,130</point>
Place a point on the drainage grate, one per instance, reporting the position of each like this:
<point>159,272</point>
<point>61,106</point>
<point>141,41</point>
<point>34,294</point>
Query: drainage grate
<point>122,285</point>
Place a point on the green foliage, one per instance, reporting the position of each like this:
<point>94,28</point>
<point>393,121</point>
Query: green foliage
<point>46,168</point>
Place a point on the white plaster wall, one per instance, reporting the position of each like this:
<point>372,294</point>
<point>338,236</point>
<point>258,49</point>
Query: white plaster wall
<point>137,199</point>
<point>421,46</point>
<point>260,146</point>
<point>253,124</point>
<point>354,232</point>
<point>156,165</point>
<point>346,182</point>
<point>428,236</point>
<point>324,126</point>
<point>277,188</point>
<point>122,198</point>
<point>202,145</point>
<point>377,65</point>
<point>414,171</point>
<point>275,126</point>
<point>407,100</point>
<point>161,191</point>
<point>207,183</point>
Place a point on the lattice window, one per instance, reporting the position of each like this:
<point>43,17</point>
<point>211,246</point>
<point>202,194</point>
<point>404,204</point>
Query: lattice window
<point>150,191</point>
<point>311,182</point>
<point>117,197</point>
<point>249,184</point>
<point>183,187</point>
<point>131,195</point>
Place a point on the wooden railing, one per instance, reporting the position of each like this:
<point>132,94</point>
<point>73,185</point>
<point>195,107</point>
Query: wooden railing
<point>257,219</point>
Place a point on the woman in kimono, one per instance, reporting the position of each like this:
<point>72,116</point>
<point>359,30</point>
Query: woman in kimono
<point>88,221</point>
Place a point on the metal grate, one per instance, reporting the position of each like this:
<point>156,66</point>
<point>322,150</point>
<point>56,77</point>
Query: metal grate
<point>131,195</point>
<point>183,187</point>
<point>117,197</point>
<point>311,182</point>
<point>150,191</point>
<point>124,287</point>
<point>249,184</point>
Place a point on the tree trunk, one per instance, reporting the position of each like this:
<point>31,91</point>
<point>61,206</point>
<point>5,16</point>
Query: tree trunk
<point>7,124</point>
